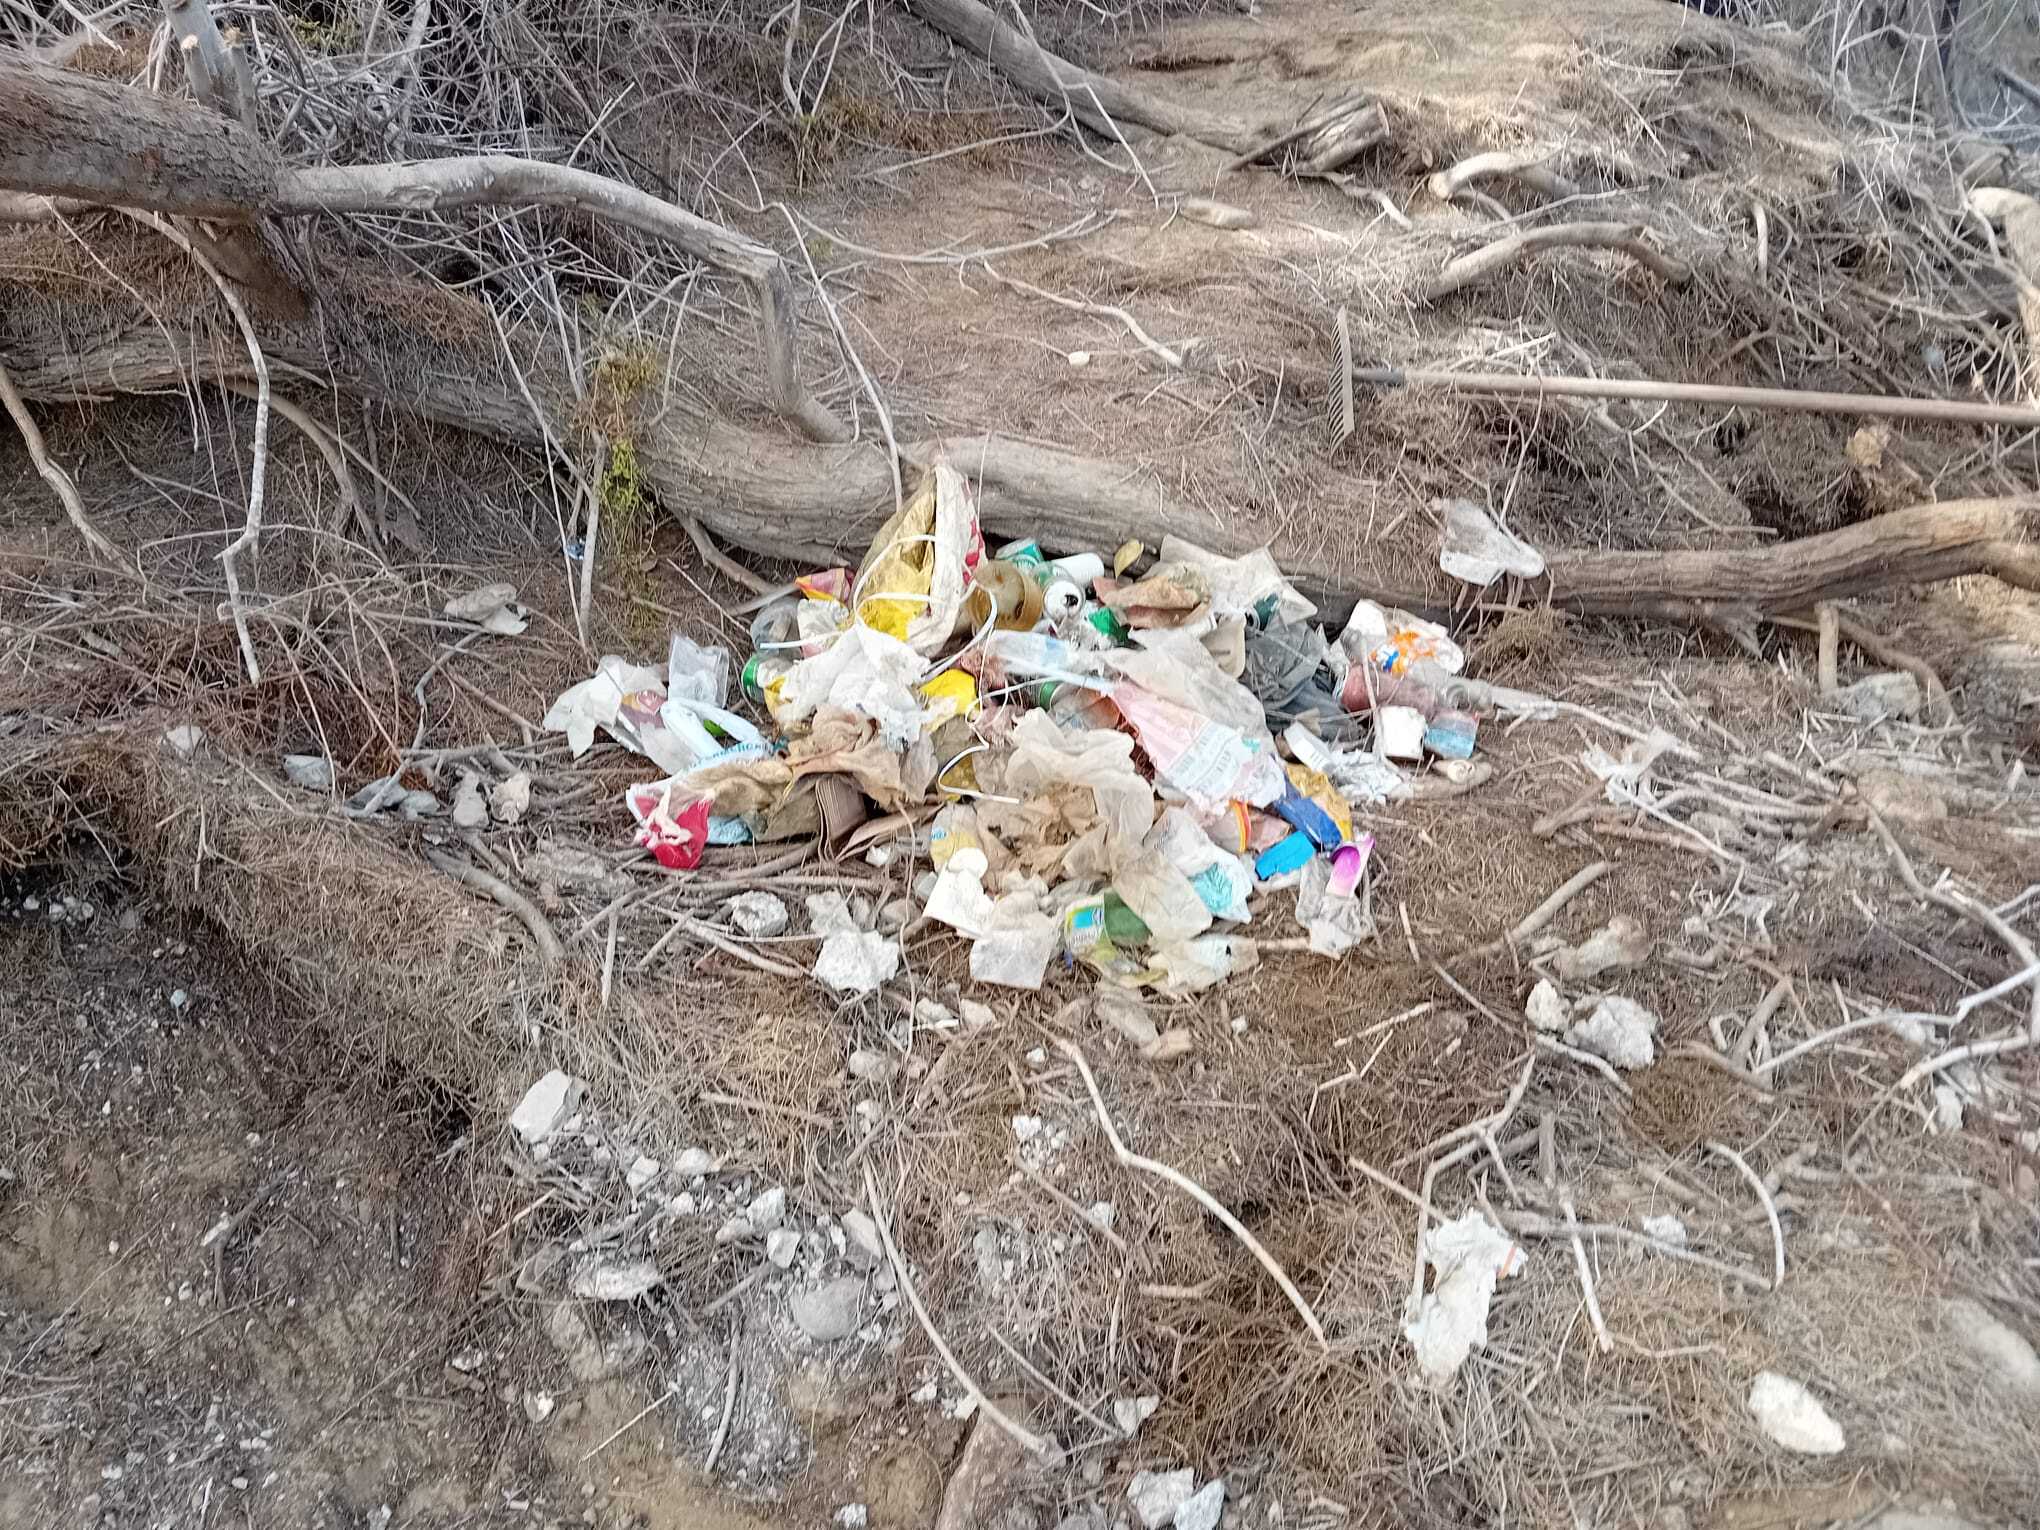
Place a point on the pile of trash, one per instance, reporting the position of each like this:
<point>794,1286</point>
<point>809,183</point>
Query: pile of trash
<point>1105,766</point>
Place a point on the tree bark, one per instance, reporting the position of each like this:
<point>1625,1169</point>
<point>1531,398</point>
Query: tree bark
<point>1100,103</point>
<point>759,490</point>
<point>64,135</point>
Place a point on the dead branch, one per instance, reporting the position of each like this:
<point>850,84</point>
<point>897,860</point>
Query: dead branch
<point>1627,238</point>
<point>1132,1160</point>
<point>1530,166</point>
<point>1543,914</point>
<point>1875,405</point>
<point>65,135</point>
<point>473,876</point>
<point>1097,101</point>
<point>1168,357</point>
<point>53,471</point>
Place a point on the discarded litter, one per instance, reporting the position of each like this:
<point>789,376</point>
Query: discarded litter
<point>1467,1256</point>
<point>1120,761</point>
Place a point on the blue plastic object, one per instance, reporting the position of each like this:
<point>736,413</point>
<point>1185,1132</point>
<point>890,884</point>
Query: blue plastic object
<point>1284,856</point>
<point>1302,814</point>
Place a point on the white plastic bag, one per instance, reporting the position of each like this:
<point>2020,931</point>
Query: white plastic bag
<point>1221,880</point>
<point>1239,586</point>
<point>1177,667</point>
<point>1046,756</point>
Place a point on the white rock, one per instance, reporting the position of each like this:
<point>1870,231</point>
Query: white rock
<point>184,741</point>
<point>857,962</point>
<point>861,1243</point>
<point>470,807</point>
<point>2002,1349</point>
<point>767,1209</point>
<point>781,1244</point>
<point>1129,1413</point>
<point>1156,1496</point>
<point>1876,697</point>
<point>872,1067</point>
<point>758,914</point>
<point>1102,1213</point>
<point>545,1104</point>
<point>601,1280</point>
<point>735,1227</point>
<point>682,1205</point>
<point>314,772</point>
<point>510,798</point>
<point>1619,1030</point>
<point>830,1311</point>
<point>829,914</point>
<point>1027,1128</point>
<point>852,1516</point>
<point>538,1406</point>
<point>1202,1509</point>
<point>1621,942</point>
<point>1666,1229</point>
<point>1546,1009</point>
<point>977,1013</point>
<point>693,1163</point>
<point>1793,1416</point>
<point>641,1173</point>
<point>1947,1109</point>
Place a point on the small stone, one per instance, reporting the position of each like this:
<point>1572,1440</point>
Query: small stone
<point>1027,1128</point>
<point>758,914</point>
<point>184,741</point>
<point>1546,1009</point>
<point>693,1163</point>
<point>1622,942</point>
<point>641,1173</point>
<point>1792,1416</point>
<point>538,1406</point>
<point>1666,1229</point>
<point>179,999</point>
<point>872,1067</point>
<point>1619,1030</point>
<point>830,1311</point>
<point>852,1516</point>
<point>1876,697</point>
<point>682,1205</point>
<point>470,807</point>
<point>2004,1352</point>
<point>1129,1413</point>
<point>767,1209</point>
<point>861,1243</point>
<point>314,772</point>
<point>1201,1510</point>
<point>781,1244</point>
<point>1156,1496</point>
<point>545,1104</point>
<point>1102,1213</point>
<point>976,1013</point>
<point>623,1280</point>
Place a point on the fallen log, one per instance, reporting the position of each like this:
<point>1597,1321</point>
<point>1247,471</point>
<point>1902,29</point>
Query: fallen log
<point>761,490</point>
<point>67,136</point>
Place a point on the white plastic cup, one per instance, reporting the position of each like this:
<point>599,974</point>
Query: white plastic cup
<point>1400,731</point>
<point>1079,568</point>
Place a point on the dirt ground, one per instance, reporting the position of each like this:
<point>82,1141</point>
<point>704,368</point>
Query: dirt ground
<point>337,1358</point>
<point>270,1254</point>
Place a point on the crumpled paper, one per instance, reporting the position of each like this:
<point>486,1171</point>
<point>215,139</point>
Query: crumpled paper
<point>1467,1256</point>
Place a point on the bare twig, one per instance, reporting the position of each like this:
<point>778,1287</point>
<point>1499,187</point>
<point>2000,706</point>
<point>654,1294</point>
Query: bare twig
<point>722,562</point>
<point>1770,1208</point>
<point>1168,357</point>
<point>1033,1443</point>
<point>1530,166</point>
<point>52,471</point>
<point>1527,927</point>
<point>1804,401</point>
<point>1196,1192</point>
<point>1503,253</point>
<point>473,876</point>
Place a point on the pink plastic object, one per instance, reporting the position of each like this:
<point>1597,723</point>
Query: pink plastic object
<point>1348,862</point>
<point>673,830</point>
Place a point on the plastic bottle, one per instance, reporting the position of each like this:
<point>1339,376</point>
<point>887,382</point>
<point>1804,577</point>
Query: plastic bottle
<point>761,677</point>
<point>1015,597</point>
<point>1035,656</point>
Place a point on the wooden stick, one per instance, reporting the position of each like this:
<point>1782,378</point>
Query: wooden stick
<point>1168,357</point>
<point>1770,1208</point>
<point>1545,912</point>
<point>1033,1443</point>
<point>52,471</point>
<point>1530,166</point>
<point>1804,401</point>
<point>473,876</point>
<point>1626,238</point>
<point>1196,1192</point>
